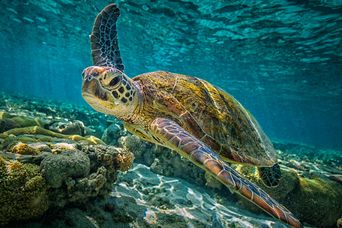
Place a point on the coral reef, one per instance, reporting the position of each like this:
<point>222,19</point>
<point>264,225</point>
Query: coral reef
<point>57,168</point>
<point>112,134</point>
<point>97,171</point>
<point>69,173</point>
<point>45,166</point>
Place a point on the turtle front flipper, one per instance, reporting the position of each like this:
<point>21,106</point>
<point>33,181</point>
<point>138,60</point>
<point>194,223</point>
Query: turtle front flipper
<point>173,136</point>
<point>104,39</point>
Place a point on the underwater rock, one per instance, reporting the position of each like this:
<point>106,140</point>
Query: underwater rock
<point>4,115</point>
<point>40,147</point>
<point>7,124</point>
<point>336,177</point>
<point>315,201</point>
<point>9,121</point>
<point>46,113</point>
<point>50,170</point>
<point>113,133</point>
<point>69,128</point>
<point>71,176</point>
<point>112,158</point>
<point>24,149</point>
<point>105,162</point>
<point>47,135</point>
<point>138,147</point>
<point>23,191</point>
<point>162,160</point>
<point>58,167</point>
<point>328,160</point>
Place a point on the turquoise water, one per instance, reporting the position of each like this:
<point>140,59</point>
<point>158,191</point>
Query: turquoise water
<point>64,164</point>
<point>281,59</point>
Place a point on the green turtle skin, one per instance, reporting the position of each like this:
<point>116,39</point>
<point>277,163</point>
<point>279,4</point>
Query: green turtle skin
<point>189,115</point>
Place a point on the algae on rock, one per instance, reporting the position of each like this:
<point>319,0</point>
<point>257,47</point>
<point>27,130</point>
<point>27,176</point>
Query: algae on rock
<point>57,167</point>
<point>48,170</point>
<point>23,191</point>
<point>316,201</point>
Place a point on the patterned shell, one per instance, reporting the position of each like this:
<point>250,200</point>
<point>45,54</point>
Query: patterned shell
<point>209,113</point>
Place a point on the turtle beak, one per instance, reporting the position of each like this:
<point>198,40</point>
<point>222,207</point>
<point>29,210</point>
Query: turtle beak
<point>89,85</point>
<point>89,82</point>
<point>92,87</point>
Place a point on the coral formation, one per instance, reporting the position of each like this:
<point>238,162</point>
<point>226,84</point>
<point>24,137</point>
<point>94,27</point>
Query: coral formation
<point>36,130</point>
<point>23,191</point>
<point>69,128</point>
<point>45,166</point>
<point>104,164</point>
<point>58,167</point>
<point>67,173</point>
<point>113,133</point>
<point>24,149</point>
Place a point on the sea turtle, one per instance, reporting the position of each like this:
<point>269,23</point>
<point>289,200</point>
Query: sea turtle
<point>186,114</point>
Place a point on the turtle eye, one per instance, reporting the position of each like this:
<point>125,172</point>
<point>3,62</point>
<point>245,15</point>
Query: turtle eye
<point>114,81</point>
<point>95,74</point>
<point>88,78</point>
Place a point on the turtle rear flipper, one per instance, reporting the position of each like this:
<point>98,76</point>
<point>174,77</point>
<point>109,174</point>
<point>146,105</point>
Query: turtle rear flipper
<point>270,175</point>
<point>104,39</point>
<point>170,134</point>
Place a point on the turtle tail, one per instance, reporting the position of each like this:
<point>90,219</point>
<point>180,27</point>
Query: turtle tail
<point>270,175</point>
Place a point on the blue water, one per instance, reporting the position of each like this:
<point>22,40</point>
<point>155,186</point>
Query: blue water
<point>281,59</point>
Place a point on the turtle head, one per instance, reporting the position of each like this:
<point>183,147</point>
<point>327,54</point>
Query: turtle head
<point>110,91</point>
